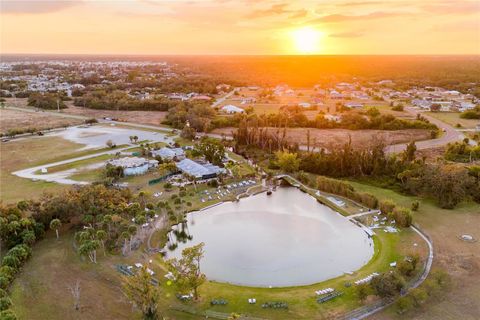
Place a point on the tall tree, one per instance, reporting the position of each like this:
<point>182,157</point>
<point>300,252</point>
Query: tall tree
<point>187,269</point>
<point>142,293</point>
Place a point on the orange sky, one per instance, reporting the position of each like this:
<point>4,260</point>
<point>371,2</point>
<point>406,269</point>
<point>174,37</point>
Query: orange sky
<point>240,26</point>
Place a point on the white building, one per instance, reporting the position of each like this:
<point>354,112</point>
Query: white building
<point>230,108</point>
<point>133,166</point>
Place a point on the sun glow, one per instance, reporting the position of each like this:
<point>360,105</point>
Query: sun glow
<point>307,40</point>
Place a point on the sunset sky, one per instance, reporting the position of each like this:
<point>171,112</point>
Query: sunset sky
<point>241,27</point>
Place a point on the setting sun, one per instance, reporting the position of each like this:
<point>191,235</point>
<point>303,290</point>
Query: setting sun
<point>307,40</point>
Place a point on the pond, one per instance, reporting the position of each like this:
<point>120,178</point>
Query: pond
<point>278,240</point>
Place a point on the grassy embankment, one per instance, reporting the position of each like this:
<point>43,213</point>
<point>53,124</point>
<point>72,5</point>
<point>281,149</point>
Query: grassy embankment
<point>461,260</point>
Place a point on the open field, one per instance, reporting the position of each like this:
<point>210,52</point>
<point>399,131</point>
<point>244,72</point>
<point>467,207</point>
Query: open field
<point>325,137</point>
<point>142,117</point>
<point>14,119</point>
<point>25,153</point>
<point>453,118</point>
<point>460,259</point>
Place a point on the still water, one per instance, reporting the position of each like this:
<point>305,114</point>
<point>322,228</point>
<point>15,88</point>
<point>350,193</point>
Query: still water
<point>285,239</point>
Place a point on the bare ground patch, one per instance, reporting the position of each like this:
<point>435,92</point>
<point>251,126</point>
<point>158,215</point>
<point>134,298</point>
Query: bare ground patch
<point>142,117</point>
<point>13,119</point>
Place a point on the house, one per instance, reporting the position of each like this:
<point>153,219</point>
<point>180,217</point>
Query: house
<point>304,105</point>
<point>345,86</point>
<point>331,117</point>
<point>201,98</point>
<point>335,95</point>
<point>353,105</point>
<point>169,153</point>
<point>231,109</point>
<point>133,166</point>
<point>198,169</point>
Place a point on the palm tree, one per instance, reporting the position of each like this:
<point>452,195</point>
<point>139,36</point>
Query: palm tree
<point>55,224</point>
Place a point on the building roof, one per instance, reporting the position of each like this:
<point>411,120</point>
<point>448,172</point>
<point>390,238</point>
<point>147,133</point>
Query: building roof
<point>197,169</point>
<point>230,108</point>
<point>168,153</point>
<point>131,162</point>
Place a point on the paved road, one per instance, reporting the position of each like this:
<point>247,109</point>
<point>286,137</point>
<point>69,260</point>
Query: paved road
<point>61,177</point>
<point>222,99</point>
<point>449,135</point>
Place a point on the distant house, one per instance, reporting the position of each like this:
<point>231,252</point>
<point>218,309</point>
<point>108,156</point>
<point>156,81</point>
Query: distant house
<point>201,98</point>
<point>169,153</point>
<point>133,166</point>
<point>333,94</point>
<point>199,170</point>
<point>345,86</point>
<point>353,105</point>
<point>331,117</point>
<point>304,105</point>
<point>231,109</point>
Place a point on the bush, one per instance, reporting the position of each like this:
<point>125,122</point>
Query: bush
<point>404,304</point>
<point>403,217</point>
<point>387,206</point>
<point>388,284</point>
<point>5,303</point>
<point>8,315</point>
<point>415,205</point>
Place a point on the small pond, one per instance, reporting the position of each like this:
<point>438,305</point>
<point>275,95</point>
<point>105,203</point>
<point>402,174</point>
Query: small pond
<point>278,240</point>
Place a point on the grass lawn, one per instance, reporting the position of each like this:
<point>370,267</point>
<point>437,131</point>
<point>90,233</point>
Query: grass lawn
<point>461,260</point>
<point>453,118</point>
<point>24,153</point>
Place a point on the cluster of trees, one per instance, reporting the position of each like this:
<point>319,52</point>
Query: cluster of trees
<point>18,231</point>
<point>49,101</point>
<point>295,118</point>
<point>197,116</point>
<point>447,184</point>
<point>120,100</point>
<point>212,149</point>
<point>144,292</point>
<point>390,284</point>
<point>462,152</point>
<point>262,138</point>
<point>437,282</point>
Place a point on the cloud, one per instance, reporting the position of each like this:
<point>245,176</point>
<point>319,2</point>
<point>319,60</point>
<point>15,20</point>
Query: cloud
<point>299,14</point>
<point>275,9</point>
<point>35,6</point>
<point>334,18</point>
<point>346,35</point>
<point>453,7</point>
<point>360,3</point>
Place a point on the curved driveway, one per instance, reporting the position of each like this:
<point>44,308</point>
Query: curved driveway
<point>449,135</point>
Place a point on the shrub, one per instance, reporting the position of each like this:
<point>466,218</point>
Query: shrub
<point>5,303</point>
<point>8,315</point>
<point>387,206</point>
<point>404,304</point>
<point>388,284</point>
<point>403,217</point>
<point>415,205</point>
